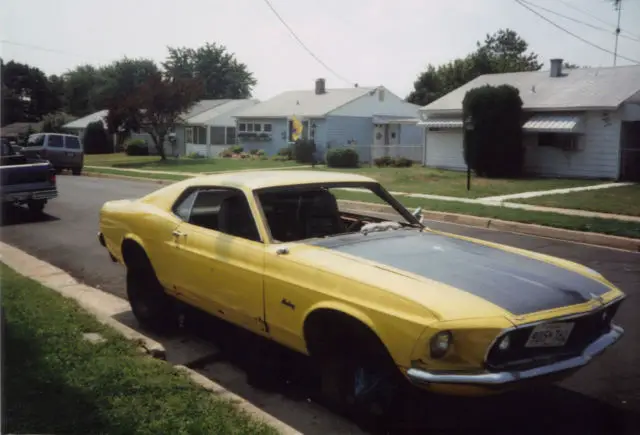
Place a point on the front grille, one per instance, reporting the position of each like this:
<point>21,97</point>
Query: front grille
<point>587,328</point>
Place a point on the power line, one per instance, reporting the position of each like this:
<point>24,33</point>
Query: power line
<point>41,48</point>
<point>595,17</point>
<point>579,21</point>
<point>573,34</point>
<point>307,49</point>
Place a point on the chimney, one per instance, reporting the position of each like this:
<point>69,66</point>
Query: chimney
<point>320,87</point>
<point>556,68</point>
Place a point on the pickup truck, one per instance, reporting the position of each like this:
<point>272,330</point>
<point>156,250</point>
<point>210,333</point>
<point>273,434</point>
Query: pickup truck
<point>26,181</point>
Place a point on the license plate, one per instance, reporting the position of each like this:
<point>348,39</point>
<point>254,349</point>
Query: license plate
<point>550,335</point>
<point>71,154</point>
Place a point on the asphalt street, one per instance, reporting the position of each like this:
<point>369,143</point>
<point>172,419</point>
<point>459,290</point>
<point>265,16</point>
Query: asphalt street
<point>601,398</point>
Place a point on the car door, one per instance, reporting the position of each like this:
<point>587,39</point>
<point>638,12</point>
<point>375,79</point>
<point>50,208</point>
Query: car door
<point>220,258</point>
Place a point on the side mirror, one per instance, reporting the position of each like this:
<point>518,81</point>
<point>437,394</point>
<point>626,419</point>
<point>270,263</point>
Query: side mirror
<point>417,213</point>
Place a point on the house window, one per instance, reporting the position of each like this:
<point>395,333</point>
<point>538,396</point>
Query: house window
<point>557,140</point>
<point>217,136</point>
<point>188,135</point>
<point>257,128</point>
<point>231,135</point>
<point>267,128</point>
<point>242,127</point>
<point>200,135</point>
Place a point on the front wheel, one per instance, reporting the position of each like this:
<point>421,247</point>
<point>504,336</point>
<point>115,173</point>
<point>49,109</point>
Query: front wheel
<point>151,306</point>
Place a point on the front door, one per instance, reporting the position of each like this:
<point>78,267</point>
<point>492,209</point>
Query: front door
<point>220,258</point>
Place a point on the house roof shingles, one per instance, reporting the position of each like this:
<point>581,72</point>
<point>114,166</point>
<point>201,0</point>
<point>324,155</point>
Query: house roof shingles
<point>579,89</point>
<point>306,103</point>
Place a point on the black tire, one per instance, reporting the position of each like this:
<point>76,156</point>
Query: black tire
<point>36,207</point>
<point>357,374</point>
<point>76,171</point>
<point>154,309</point>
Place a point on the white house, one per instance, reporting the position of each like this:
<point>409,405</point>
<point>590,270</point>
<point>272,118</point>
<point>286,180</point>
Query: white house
<point>79,125</point>
<point>582,123</point>
<point>209,127</point>
<point>370,119</point>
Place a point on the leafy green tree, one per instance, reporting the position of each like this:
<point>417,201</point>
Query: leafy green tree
<point>53,122</point>
<point>504,51</point>
<point>82,87</point>
<point>493,146</point>
<point>26,94</point>
<point>156,106</point>
<point>96,139</point>
<point>222,75</point>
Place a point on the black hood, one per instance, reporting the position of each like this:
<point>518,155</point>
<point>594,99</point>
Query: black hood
<point>511,281</point>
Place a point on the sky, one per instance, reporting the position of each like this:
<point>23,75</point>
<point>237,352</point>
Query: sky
<point>369,42</point>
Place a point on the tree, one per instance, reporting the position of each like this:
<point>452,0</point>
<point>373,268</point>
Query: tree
<point>96,139</point>
<point>26,94</point>
<point>504,51</point>
<point>53,122</point>
<point>493,147</point>
<point>82,90</point>
<point>157,106</point>
<point>568,65</point>
<point>222,75</point>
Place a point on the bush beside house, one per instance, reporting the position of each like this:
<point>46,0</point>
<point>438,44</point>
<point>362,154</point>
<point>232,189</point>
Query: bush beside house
<point>392,162</point>
<point>493,141</point>
<point>96,139</point>
<point>342,158</point>
<point>303,151</point>
<point>136,147</point>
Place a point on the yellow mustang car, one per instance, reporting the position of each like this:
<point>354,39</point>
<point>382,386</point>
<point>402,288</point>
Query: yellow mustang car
<point>374,297</point>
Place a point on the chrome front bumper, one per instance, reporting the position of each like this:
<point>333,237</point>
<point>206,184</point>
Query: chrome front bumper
<point>419,376</point>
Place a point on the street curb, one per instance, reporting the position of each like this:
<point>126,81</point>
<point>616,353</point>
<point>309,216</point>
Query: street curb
<point>598,239</point>
<point>127,177</point>
<point>61,282</point>
<point>237,401</point>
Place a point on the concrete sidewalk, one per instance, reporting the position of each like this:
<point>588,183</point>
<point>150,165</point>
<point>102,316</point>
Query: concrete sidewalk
<point>191,174</point>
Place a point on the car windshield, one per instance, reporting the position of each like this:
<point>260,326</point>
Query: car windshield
<point>312,211</point>
<point>35,140</point>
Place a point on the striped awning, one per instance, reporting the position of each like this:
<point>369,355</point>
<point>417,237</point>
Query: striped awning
<point>449,123</point>
<point>548,123</point>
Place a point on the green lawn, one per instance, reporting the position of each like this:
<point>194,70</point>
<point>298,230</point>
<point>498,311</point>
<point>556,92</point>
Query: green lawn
<point>618,200</point>
<point>183,164</point>
<point>54,381</point>
<point>418,179</point>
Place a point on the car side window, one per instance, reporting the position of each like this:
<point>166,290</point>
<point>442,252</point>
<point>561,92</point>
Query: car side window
<point>222,210</point>
<point>54,141</point>
<point>35,140</point>
<point>71,142</point>
<point>183,208</point>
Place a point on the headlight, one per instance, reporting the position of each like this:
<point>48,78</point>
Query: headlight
<point>504,343</point>
<point>440,344</point>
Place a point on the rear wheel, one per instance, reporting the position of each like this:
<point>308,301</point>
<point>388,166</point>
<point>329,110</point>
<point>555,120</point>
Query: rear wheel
<point>151,306</point>
<point>36,206</point>
<point>76,171</point>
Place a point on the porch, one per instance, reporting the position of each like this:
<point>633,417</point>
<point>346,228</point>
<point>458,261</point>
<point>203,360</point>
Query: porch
<point>208,141</point>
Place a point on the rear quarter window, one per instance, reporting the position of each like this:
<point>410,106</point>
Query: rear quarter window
<point>55,141</point>
<point>72,142</point>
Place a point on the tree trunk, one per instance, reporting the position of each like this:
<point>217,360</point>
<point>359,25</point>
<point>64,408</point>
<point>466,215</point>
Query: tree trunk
<point>159,140</point>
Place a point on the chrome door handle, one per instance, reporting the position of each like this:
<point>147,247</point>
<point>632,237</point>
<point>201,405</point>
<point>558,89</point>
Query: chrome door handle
<point>177,233</point>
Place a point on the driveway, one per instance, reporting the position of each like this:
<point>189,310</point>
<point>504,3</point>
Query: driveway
<point>602,398</point>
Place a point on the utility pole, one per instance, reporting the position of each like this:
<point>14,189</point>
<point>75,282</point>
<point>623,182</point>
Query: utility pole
<point>618,5</point>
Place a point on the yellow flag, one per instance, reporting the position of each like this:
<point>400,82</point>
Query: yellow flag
<point>297,129</point>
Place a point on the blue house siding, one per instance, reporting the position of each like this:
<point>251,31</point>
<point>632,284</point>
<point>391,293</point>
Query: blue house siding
<point>279,135</point>
<point>411,135</point>
<point>340,130</point>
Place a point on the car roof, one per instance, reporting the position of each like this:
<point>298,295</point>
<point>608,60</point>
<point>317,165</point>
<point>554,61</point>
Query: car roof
<point>261,179</point>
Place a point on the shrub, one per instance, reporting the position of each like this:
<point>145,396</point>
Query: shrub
<point>227,153</point>
<point>96,139</point>
<point>263,157</point>
<point>53,122</point>
<point>254,152</point>
<point>136,147</point>
<point>342,158</point>
<point>383,162</point>
<point>286,152</point>
<point>279,158</point>
<point>304,150</point>
<point>401,162</point>
<point>236,149</point>
<point>195,155</point>
<point>245,155</point>
<point>494,148</point>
